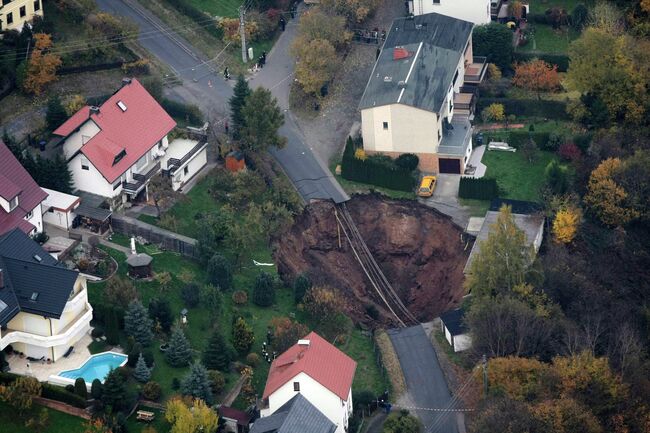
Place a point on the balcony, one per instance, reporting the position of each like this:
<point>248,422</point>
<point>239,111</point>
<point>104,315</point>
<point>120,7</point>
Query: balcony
<point>140,180</point>
<point>465,102</point>
<point>180,151</point>
<point>475,71</point>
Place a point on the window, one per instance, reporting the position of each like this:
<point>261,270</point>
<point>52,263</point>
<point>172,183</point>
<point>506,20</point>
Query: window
<point>6,2</point>
<point>37,5</point>
<point>296,386</point>
<point>29,215</point>
<point>122,105</point>
<point>51,210</point>
<point>439,135</point>
<point>119,156</point>
<point>455,78</point>
<point>23,11</point>
<point>385,125</point>
<point>84,163</point>
<point>436,2</point>
<point>10,18</point>
<point>13,203</point>
<point>117,184</point>
<point>186,170</point>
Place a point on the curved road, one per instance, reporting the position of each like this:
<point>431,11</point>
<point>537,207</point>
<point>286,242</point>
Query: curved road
<point>203,85</point>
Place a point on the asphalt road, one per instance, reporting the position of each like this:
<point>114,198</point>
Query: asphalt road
<point>425,381</point>
<point>203,85</point>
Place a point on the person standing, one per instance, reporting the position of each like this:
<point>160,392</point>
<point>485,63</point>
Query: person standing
<point>283,23</point>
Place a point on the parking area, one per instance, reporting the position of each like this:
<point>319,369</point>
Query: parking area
<point>445,199</point>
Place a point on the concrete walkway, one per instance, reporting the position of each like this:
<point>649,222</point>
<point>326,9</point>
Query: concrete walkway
<point>475,160</point>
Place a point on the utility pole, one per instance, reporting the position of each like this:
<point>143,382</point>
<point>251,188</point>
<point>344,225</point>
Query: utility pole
<point>242,32</point>
<point>485,376</point>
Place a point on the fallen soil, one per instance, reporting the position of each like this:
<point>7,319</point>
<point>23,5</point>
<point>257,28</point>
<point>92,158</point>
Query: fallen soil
<point>421,252</point>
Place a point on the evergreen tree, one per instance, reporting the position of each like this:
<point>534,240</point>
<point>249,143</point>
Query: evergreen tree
<point>179,353</point>
<point>264,290</point>
<point>134,354</point>
<point>262,119</point>
<point>115,392</point>
<point>237,102</point>
<point>242,336</point>
<point>142,373</point>
<point>137,323</point>
<point>220,272</point>
<point>112,323</point>
<point>212,300</point>
<point>161,313</point>
<point>300,287</point>
<point>96,389</point>
<point>55,114</point>
<point>80,388</point>
<point>218,353</point>
<point>197,383</point>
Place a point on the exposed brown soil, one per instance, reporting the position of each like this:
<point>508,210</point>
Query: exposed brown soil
<point>421,252</point>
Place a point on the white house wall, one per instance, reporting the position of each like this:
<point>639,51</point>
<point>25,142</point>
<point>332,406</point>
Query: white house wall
<point>59,218</point>
<point>91,180</point>
<point>410,129</point>
<point>36,219</point>
<point>328,403</point>
<point>476,11</point>
<point>193,166</point>
<point>462,342</point>
<point>77,139</point>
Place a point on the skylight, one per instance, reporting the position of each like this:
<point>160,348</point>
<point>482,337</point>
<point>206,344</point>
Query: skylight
<point>119,156</point>
<point>34,297</point>
<point>122,105</point>
<point>38,258</point>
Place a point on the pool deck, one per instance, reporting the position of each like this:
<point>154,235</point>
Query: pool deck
<point>42,370</point>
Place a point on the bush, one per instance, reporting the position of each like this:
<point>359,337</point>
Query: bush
<point>220,272</point>
<point>240,297</point>
<point>217,381</point>
<point>527,107</point>
<point>253,359</point>
<point>69,388</point>
<point>479,189</point>
<point>300,287</point>
<point>189,113</point>
<point>190,295</point>
<point>407,161</point>
<point>96,389</point>
<point>264,290</point>
<point>561,60</point>
<point>583,141</point>
<point>57,393</point>
<point>376,170</point>
<point>151,390</point>
<point>97,332</point>
<point>176,384</point>
<point>493,41</point>
<point>80,388</point>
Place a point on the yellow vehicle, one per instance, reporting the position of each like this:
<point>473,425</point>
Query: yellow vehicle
<point>427,186</point>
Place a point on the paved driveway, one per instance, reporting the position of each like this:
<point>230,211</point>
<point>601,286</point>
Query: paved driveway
<point>445,199</point>
<point>203,86</point>
<point>427,388</point>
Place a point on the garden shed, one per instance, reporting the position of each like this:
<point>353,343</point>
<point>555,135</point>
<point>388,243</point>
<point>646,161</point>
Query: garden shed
<point>139,265</point>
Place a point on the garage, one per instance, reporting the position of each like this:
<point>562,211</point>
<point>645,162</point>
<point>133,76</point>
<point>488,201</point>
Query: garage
<point>448,165</point>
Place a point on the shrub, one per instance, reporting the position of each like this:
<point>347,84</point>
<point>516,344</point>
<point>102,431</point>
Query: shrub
<point>80,388</point>
<point>176,384</point>
<point>97,332</point>
<point>557,177</point>
<point>134,354</point>
<point>493,113</point>
<point>300,287</point>
<point>264,290</point>
<point>96,389</point>
<point>190,295</point>
<point>57,393</point>
<point>242,336</point>
<point>189,113</point>
<point>151,390</point>
<point>579,17</point>
<point>554,141</point>
<point>407,161</point>
<point>217,381</point>
<point>560,60</point>
<point>220,272</point>
<point>240,297</point>
<point>569,151</point>
<point>69,388</point>
<point>527,107</point>
<point>253,359</point>
<point>479,189</point>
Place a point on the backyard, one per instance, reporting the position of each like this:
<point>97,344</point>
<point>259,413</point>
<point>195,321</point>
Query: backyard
<point>540,6</point>
<point>59,422</point>
<point>546,39</point>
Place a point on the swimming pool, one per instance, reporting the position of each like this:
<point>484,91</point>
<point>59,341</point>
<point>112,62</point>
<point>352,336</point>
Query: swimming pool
<point>96,367</point>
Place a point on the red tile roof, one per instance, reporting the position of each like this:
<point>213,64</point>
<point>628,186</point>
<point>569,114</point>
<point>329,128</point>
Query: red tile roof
<point>320,360</point>
<point>242,418</point>
<point>15,180</point>
<point>135,130</point>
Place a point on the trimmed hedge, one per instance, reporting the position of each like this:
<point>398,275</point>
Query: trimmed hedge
<point>57,393</point>
<point>479,189</point>
<point>561,60</point>
<point>198,16</point>
<point>527,107</point>
<point>178,110</point>
<point>376,170</point>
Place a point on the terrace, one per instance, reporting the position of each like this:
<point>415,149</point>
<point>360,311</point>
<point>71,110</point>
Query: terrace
<point>140,180</point>
<point>475,71</point>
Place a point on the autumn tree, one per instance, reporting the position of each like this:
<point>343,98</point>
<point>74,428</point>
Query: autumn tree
<point>42,65</point>
<point>192,418</point>
<point>503,414</point>
<point>20,393</point>
<point>606,198</point>
<point>354,11</point>
<point>566,415</point>
<point>536,76</point>
<point>494,113</point>
<point>286,333</point>
<point>317,23</point>
<point>74,104</point>
<point>242,336</point>
<point>503,258</point>
<point>230,29</point>
<point>262,119</point>
<point>326,307</point>
<point>605,16</point>
<point>161,192</point>
<point>565,224</point>
<point>317,64</point>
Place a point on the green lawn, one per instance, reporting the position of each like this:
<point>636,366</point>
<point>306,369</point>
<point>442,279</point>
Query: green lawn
<point>517,178</point>
<point>540,6</point>
<point>477,208</point>
<point>59,422</point>
<point>159,423</point>
<point>363,188</point>
<point>222,8</point>
<point>548,40</point>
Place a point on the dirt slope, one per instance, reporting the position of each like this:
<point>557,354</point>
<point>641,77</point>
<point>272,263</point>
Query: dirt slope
<point>420,251</point>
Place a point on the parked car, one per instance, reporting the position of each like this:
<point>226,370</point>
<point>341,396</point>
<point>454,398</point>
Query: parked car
<point>427,186</point>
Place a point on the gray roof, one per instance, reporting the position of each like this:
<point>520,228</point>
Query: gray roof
<point>435,44</point>
<point>454,321</point>
<point>141,259</point>
<point>28,269</point>
<point>297,415</point>
<point>530,224</point>
<point>455,139</point>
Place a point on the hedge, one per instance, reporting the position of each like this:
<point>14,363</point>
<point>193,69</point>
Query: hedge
<point>561,60</point>
<point>178,110</point>
<point>479,189</point>
<point>198,16</point>
<point>517,138</point>
<point>527,107</point>
<point>52,392</point>
<point>376,171</point>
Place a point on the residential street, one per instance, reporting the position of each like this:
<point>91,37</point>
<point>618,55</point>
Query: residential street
<point>207,89</point>
<point>425,381</point>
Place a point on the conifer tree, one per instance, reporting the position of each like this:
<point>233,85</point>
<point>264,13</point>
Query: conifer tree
<point>114,393</point>
<point>197,383</point>
<point>237,102</point>
<point>179,353</point>
<point>142,373</point>
<point>218,353</point>
<point>137,323</point>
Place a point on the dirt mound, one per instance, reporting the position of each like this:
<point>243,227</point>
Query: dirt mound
<point>421,252</point>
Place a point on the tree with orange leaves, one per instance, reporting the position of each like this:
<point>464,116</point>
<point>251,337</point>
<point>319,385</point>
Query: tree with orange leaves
<point>565,224</point>
<point>606,198</point>
<point>42,66</point>
<point>536,76</point>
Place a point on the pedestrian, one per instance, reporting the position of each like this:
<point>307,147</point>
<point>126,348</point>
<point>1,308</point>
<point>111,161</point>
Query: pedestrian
<point>226,74</point>
<point>263,58</point>
<point>283,23</point>
<point>225,126</point>
<point>293,11</point>
<point>377,53</point>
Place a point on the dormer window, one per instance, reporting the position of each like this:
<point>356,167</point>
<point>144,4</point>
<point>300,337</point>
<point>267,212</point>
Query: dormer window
<point>13,204</point>
<point>122,105</point>
<point>119,156</point>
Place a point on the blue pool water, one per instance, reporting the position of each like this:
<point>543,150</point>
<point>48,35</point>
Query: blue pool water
<point>96,367</point>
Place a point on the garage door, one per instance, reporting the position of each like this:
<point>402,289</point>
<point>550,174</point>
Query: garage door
<point>449,165</point>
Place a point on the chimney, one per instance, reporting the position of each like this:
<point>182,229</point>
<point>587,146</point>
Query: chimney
<point>304,343</point>
<point>2,280</point>
<point>126,81</point>
<point>94,109</point>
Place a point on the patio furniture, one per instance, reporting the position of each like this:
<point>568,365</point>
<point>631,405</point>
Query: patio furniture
<point>68,352</point>
<point>500,145</point>
<point>145,416</point>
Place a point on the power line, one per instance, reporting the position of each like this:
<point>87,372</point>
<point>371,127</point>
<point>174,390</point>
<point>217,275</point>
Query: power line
<point>464,389</point>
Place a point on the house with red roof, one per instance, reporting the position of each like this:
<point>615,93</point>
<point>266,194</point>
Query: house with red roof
<point>113,150</point>
<point>319,372</point>
<point>20,196</point>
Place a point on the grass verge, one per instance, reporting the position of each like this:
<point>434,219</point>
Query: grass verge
<point>391,363</point>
